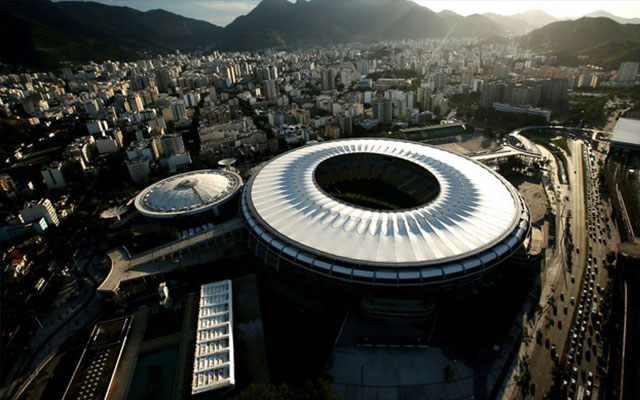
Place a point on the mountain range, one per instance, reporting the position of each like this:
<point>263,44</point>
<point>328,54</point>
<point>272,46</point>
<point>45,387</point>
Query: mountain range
<point>521,23</point>
<point>304,23</point>
<point>42,33</point>
<point>603,41</point>
<point>619,20</point>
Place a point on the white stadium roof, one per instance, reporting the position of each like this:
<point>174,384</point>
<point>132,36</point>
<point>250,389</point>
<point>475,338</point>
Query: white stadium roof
<point>627,132</point>
<point>476,212</point>
<point>213,365</point>
<point>187,194</point>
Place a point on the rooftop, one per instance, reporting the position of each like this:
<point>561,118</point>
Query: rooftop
<point>96,369</point>
<point>213,365</point>
<point>627,133</point>
<point>187,194</point>
<point>454,207</point>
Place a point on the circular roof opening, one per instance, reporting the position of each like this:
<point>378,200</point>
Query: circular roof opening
<point>376,181</point>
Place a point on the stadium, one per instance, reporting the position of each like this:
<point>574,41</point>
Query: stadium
<point>377,213</point>
<point>189,194</point>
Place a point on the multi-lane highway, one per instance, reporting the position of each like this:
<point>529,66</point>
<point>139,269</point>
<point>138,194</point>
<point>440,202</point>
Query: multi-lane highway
<point>566,333</point>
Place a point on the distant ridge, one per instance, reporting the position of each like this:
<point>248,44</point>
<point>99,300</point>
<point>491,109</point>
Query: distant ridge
<point>518,24</point>
<point>281,23</point>
<point>50,33</point>
<point>42,33</point>
<point>604,41</point>
<point>620,20</point>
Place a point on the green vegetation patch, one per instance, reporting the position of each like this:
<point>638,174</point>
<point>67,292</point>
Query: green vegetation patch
<point>372,194</point>
<point>562,143</point>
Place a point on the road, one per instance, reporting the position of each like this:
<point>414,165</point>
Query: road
<point>553,326</point>
<point>560,287</point>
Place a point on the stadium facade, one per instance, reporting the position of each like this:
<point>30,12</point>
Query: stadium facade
<point>377,213</point>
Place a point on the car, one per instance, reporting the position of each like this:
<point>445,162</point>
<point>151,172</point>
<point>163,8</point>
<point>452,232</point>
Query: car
<point>565,310</point>
<point>546,343</point>
<point>572,300</point>
<point>573,279</point>
<point>562,296</point>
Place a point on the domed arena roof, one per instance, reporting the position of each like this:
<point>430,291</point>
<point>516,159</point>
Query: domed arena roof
<point>187,194</point>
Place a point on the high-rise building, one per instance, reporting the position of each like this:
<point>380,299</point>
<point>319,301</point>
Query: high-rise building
<point>156,146</point>
<point>138,169</point>
<point>53,177</point>
<point>346,125</point>
<point>439,104</point>
<point>590,80</point>
<point>135,102</point>
<point>501,71</point>
<point>271,89</point>
<point>554,91</point>
<point>628,71</point>
<point>97,126</point>
<point>178,110</point>
<point>522,94</point>
<point>332,131</point>
<point>191,99</point>
<point>382,110</point>
<point>34,210</point>
<point>424,97</point>
<point>7,186</point>
<point>438,79</point>
<point>491,93</point>
<point>410,99</point>
<point>91,107</point>
<point>175,112</point>
<point>328,79</point>
<point>477,85</point>
<point>467,77</point>
<point>172,144</point>
<point>363,67</point>
<point>273,71</point>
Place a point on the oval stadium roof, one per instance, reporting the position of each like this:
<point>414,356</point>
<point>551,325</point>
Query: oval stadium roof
<point>476,213</point>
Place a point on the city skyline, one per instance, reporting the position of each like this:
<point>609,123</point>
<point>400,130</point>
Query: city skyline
<point>327,199</point>
<point>223,12</point>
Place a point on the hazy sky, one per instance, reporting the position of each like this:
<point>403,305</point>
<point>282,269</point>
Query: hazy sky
<point>222,12</point>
